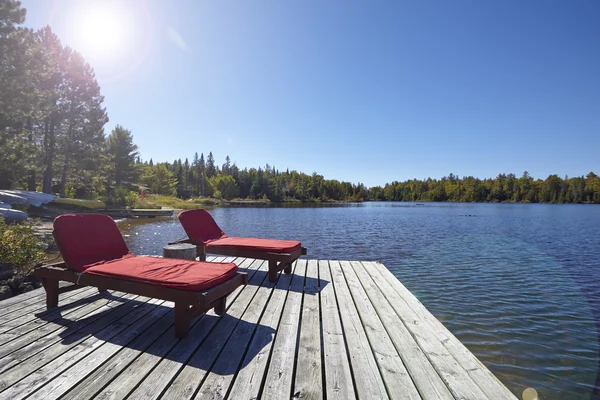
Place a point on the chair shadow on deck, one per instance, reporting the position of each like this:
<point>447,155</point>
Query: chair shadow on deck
<point>310,286</point>
<point>110,329</point>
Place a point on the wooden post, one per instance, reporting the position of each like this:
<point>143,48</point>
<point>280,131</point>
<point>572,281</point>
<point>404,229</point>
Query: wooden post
<point>182,251</point>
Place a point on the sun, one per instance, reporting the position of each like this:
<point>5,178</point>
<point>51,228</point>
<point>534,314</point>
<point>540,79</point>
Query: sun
<point>100,30</point>
<point>114,36</point>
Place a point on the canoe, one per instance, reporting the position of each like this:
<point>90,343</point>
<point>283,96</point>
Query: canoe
<point>5,205</point>
<point>34,198</point>
<point>12,215</point>
<point>11,198</point>
<point>80,203</point>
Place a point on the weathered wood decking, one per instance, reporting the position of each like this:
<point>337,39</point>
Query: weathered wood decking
<point>334,330</point>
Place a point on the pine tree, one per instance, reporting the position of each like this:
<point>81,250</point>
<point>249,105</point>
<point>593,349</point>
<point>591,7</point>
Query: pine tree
<point>210,166</point>
<point>121,153</point>
<point>227,166</point>
<point>201,175</point>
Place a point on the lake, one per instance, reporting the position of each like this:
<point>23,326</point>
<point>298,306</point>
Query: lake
<point>518,284</point>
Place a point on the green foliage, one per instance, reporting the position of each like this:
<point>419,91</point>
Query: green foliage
<point>174,202</point>
<point>118,195</point>
<point>225,186</point>
<point>131,199</point>
<point>159,179</point>
<point>70,191</point>
<point>51,114</point>
<point>19,247</point>
<point>121,154</point>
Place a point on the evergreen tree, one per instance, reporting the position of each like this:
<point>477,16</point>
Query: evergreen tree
<point>201,176</point>
<point>227,166</point>
<point>159,179</point>
<point>121,153</point>
<point>210,166</point>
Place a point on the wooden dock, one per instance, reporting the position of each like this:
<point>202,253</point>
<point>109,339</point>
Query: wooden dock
<point>331,330</point>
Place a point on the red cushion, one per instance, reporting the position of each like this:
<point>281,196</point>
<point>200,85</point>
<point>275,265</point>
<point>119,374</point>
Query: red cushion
<point>200,226</point>
<point>252,244</point>
<point>85,239</point>
<point>166,272</point>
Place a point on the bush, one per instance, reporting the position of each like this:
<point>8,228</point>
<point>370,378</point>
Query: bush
<point>119,194</point>
<point>19,247</point>
<point>131,199</point>
<point>70,191</point>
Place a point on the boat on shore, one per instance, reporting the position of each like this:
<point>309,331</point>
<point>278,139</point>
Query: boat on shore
<point>11,215</point>
<point>43,205</point>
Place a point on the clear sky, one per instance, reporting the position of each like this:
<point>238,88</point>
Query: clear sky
<point>365,92</point>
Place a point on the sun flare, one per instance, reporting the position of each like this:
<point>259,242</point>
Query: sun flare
<point>114,36</point>
<point>101,30</point>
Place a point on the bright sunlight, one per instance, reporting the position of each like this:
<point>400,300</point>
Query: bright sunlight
<point>114,36</point>
<point>101,29</point>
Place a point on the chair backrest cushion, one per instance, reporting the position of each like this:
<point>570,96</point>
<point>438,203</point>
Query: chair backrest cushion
<point>200,226</point>
<point>88,239</point>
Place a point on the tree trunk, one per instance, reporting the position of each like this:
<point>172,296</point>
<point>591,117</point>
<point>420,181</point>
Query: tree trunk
<point>63,179</point>
<point>31,184</point>
<point>51,142</point>
<point>31,179</point>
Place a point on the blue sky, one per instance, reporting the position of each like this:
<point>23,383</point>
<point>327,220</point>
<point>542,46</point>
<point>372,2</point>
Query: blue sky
<point>362,92</point>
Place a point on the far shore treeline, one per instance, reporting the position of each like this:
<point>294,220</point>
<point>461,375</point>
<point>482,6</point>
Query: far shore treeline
<point>52,139</point>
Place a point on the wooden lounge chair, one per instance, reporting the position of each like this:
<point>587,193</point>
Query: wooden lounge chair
<point>203,231</point>
<point>95,254</point>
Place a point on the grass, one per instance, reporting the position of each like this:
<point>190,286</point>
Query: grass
<point>192,204</point>
<point>174,202</point>
<point>248,201</point>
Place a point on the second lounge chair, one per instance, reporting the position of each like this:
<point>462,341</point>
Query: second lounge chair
<point>208,237</point>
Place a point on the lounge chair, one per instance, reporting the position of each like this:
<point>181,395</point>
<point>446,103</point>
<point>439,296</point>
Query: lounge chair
<point>95,254</point>
<point>203,231</point>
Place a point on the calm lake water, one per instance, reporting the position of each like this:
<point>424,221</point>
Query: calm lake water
<point>518,284</point>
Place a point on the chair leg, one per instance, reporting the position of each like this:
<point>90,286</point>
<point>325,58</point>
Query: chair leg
<point>200,253</point>
<point>182,320</point>
<point>51,286</point>
<point>220,305</point>
<point>272,270</point>
<point>288,269</point>
<point>102,290</point>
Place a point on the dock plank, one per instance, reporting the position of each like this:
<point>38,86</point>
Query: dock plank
<point>247,384</point>
<point>68,378</point>
<point>152,371</point>
<point>426,379</point>
<point>308,382</point>
<point>440,346</point>
<point>30,312</point>
<point>86,324</point>
<point>93,383</point>
<point>278,384</point>
<point>44,333</point>
<point>219,378</point>
<point>24,299</point>
<point>367,377</point>
<point>27,377</point>
<point>338,377</point>
<point>395,376</point>
<point>202,346</point>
